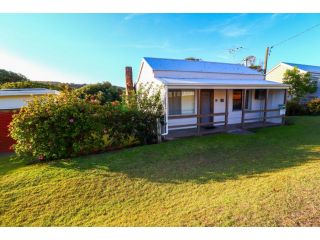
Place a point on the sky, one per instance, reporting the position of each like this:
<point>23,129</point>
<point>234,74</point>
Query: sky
<point>91,48</point>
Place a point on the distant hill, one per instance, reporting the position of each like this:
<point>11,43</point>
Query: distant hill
<point>9,80</point>
<point>8,76</point>
<point>72,85</point>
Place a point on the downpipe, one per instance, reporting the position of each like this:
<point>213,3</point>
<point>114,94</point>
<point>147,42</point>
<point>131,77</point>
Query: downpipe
<point>166,113</point>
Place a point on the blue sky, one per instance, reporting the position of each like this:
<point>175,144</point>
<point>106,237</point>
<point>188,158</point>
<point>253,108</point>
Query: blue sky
<point>96,47</point>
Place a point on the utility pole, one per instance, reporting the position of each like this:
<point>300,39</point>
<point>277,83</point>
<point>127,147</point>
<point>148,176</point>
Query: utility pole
<point>266,61</point>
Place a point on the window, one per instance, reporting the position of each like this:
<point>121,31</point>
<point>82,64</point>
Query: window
<point>260,94</point>
<point>174,101</point>
<point>248,99</point>
<point>181,102</point>
<point>237,100</point>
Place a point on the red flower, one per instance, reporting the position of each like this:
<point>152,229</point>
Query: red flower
<point>115,103</point>
<point>41,157</point>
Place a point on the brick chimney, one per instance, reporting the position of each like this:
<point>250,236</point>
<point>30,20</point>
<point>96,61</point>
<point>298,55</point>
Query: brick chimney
<point>129,82</point>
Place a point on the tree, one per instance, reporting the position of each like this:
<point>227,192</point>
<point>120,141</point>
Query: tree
<point>193,59</point>
<point>249,61</point>
<point>300,84</point>
<point>8,76</point>
<point>258,68</point>
<point>100,92</point>
<point>29,84</point>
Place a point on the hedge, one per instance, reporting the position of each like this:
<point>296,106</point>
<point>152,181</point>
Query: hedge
<point>55,127</point>
<point>294,107</point>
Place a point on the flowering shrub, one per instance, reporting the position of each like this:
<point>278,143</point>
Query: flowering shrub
<point>146,98</point>
<point>314,106</point>
<point>54,127</point>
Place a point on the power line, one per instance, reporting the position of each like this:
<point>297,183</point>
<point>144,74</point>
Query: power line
<point>294,36</point>
<point>268,50</point>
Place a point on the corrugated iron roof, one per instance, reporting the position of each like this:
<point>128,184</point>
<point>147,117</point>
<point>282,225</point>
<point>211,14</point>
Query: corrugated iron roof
<point>198,66</point>
<point>307,68</point>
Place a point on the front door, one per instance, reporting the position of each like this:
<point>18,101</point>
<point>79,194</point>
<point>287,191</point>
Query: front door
<point>206,105</point>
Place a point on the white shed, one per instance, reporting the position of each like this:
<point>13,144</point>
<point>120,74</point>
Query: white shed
<point>17,98</point>
<point>11,100</point>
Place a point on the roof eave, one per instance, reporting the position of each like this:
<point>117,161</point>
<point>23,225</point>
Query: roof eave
<point>235,86</point>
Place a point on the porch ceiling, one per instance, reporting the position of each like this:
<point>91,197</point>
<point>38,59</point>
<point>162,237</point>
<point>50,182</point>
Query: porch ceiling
<point>221,84</point>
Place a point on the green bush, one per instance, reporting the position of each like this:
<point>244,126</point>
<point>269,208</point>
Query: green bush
<point>146,98</point>
<point>314,106</point>
<point>61,126</point>
<point>294,108</point>
<point>100,92</point>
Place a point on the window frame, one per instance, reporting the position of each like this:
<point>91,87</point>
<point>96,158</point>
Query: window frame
<point>247,102</point>
<point>233,109</point>
<point>249,98</point>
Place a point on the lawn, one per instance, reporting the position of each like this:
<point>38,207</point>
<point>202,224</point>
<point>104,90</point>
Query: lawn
<point>270,178</point>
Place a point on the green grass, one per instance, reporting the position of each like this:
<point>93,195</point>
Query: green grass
<point>270,178</point>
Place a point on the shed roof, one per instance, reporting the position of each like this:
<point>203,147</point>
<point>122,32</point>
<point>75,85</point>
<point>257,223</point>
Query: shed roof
<point>161,64</point>
<point>307,68</point>
<point>231,84</point>
<point>26,91</point>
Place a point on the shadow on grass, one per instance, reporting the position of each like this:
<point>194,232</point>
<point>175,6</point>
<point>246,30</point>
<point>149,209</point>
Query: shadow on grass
<point>211,158</point>
<point>9,162</point>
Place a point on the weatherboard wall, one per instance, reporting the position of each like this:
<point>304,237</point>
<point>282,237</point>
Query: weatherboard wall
<point>14,102</point>
<point>276,74</point>
<point>234,117</point>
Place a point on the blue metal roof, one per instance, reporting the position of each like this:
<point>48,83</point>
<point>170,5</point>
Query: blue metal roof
<point>308,68</point>
<point>198,66</point>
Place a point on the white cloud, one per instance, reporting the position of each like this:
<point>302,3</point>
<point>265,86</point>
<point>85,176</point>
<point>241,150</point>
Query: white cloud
<point>274,16</point>
<point>228,28</point>
<point>35,71</point>
<point>131,16</point>
<point>232,27</point>
<point>283,16</point>
<point>234,31</point>
<point>163,45</point>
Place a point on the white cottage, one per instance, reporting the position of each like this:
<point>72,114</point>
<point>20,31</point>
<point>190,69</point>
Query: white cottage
<point>200,95</point>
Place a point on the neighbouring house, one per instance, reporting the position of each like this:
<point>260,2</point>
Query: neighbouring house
<point>276,74</point>
<point>11,100</point>
<point>201,96</point>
